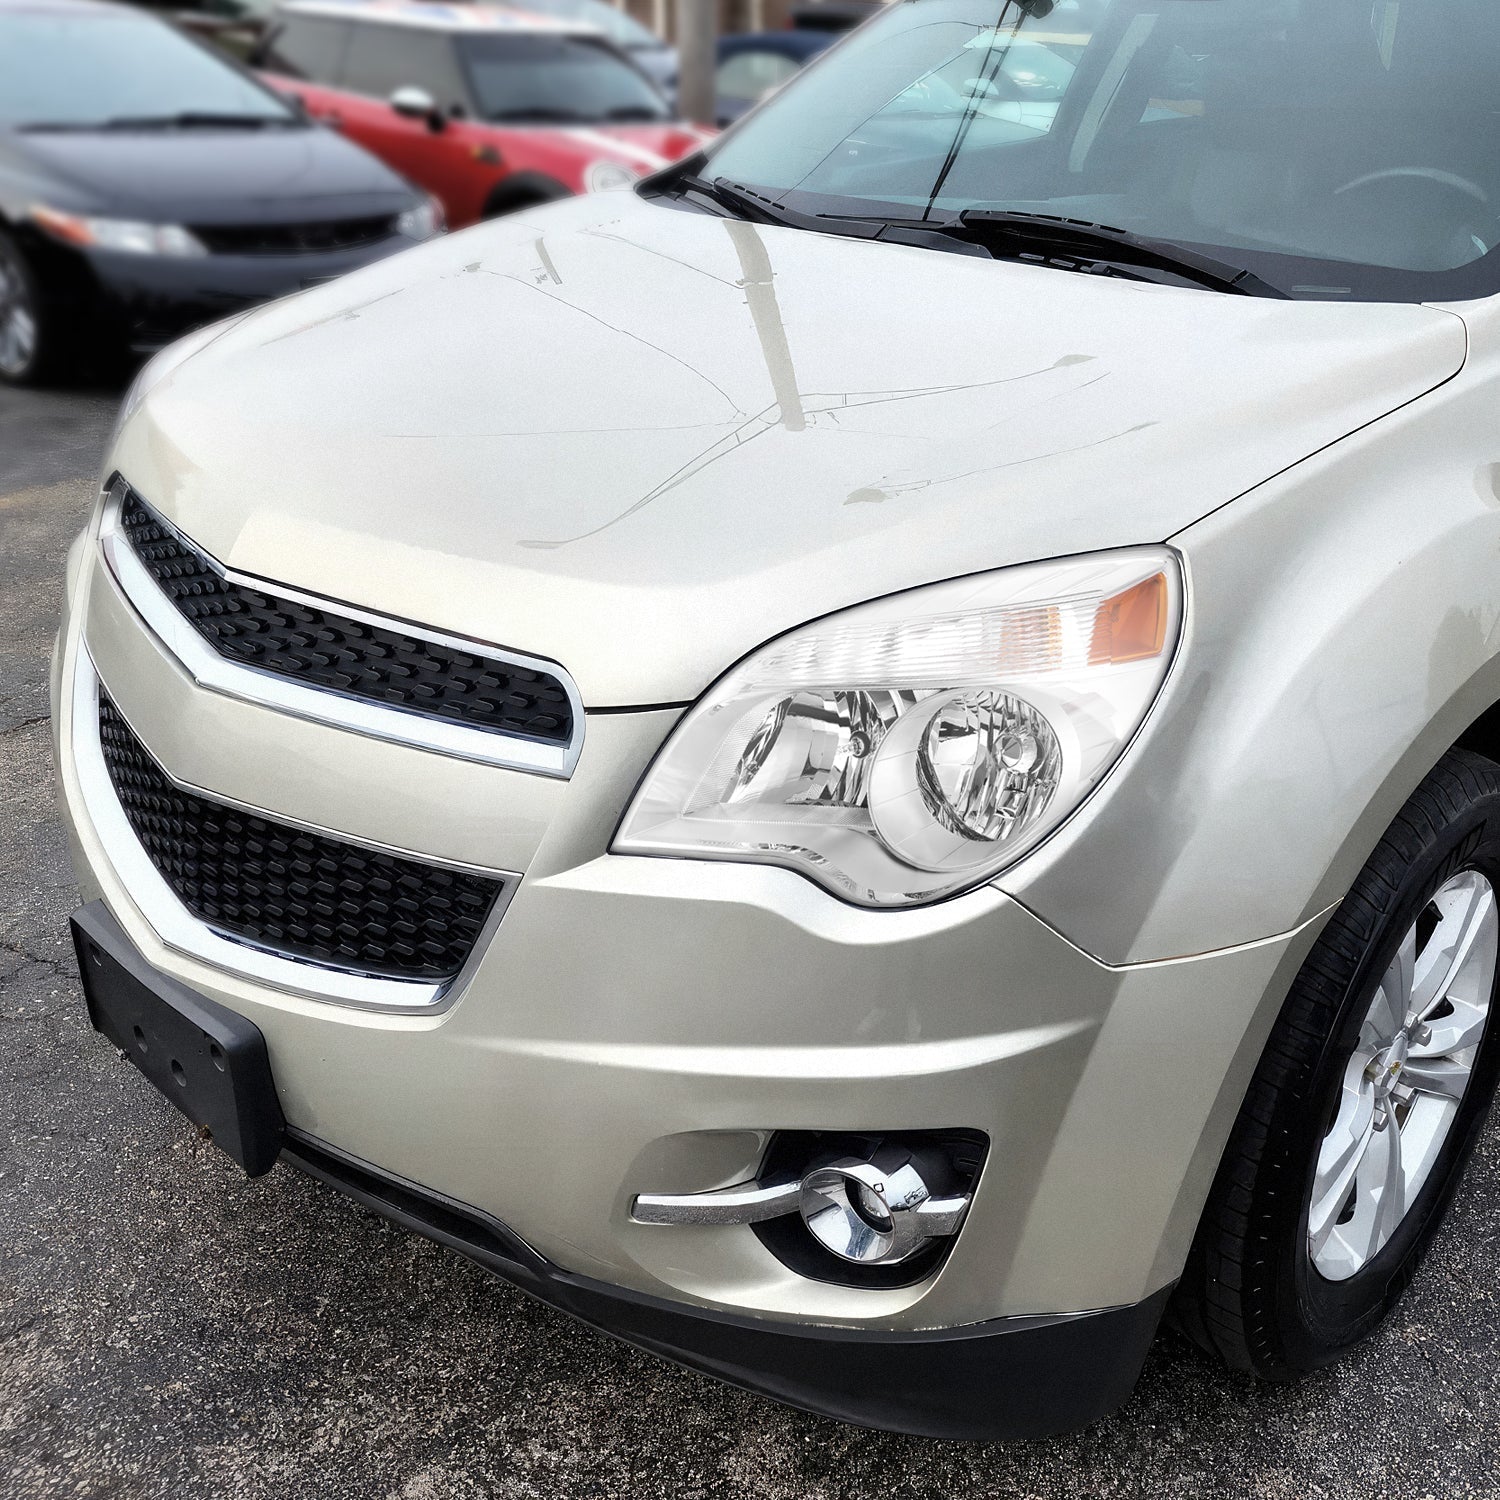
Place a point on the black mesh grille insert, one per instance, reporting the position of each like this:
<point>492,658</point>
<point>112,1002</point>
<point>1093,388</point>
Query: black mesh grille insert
<point>327,650</point>
<point>294,239</point>
<point>300,894</point>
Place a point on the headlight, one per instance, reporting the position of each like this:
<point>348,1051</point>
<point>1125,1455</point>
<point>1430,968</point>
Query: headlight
<point>124,235</point>
<point>609,177</point>
<point>913,748</point>
<point>421,222</point>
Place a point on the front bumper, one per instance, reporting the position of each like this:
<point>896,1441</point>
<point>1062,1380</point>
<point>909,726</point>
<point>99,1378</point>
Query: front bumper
<point>644,1026</point>
<point>144,302</point>
<point>1008,1378</point>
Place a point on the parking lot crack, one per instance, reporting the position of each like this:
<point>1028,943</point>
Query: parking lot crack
<point>54,965</point>
<point>16,728</point>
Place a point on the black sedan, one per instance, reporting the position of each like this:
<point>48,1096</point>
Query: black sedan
<point>148,186</point>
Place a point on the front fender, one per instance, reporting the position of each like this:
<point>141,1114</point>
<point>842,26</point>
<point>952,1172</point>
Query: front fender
<point>1341,637</point>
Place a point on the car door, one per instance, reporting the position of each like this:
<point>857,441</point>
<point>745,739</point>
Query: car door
<point>435,152</point>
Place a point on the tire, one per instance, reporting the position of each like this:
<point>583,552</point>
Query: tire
<point>1287,1275</point>
<point>524,190</point>
<point>26,346</point>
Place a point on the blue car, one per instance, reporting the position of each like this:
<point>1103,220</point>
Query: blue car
<point>753,67</point>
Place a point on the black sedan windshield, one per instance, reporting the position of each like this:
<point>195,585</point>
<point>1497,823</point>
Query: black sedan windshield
<point>86,71</point>
<point>542,78</point>
<point>1340,148</point>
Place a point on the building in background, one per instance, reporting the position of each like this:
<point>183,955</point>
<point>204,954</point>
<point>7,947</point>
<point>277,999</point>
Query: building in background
<point>739,16</point>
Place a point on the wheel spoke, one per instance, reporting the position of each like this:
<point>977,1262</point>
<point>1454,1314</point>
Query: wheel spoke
<point>1454,1033</point>
<point>1444,1076</point>
<point>1401,977</point>
<point>1342,1156</point>
<point>1469,916</point>
<point>1386,1183</point>
<point>1388,1013</point>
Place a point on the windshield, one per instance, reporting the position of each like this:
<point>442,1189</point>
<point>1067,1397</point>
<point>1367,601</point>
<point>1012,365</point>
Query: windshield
<point>544,78</point>
<point>82,71</point>
<point>1339,148</point>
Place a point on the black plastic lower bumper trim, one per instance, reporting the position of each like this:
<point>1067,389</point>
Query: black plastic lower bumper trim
<point>1007,1379</point>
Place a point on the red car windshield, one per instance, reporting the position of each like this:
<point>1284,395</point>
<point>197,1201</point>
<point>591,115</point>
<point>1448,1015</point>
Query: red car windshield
<point>542,79</point>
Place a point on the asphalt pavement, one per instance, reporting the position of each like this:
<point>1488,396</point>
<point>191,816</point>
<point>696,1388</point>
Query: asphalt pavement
<point>168,1330</point>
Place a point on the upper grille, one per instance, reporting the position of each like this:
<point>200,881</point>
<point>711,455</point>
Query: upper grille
<point>294,239</point>
<point>323,649</point>
<point>300,894</point>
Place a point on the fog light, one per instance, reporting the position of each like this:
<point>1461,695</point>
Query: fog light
<point>854,1210</point>
<point>874,1213</point>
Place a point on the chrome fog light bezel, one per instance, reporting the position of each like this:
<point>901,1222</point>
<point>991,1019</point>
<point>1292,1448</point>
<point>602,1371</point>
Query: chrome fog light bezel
<point>872,1215</point>
<point>860,1210</point>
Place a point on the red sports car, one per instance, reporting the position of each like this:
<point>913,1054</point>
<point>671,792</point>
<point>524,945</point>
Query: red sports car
<point>491,110</point>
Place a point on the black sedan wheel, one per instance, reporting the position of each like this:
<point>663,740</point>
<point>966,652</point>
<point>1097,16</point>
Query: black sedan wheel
<point>21,344</point>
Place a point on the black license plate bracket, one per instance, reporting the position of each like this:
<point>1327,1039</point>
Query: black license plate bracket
<point>207,1060</point>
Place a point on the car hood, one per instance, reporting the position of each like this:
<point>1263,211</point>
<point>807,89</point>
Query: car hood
<point>642,442</point>
<point>203,176</point>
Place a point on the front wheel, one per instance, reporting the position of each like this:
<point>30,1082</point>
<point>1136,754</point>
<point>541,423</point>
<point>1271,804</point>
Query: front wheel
<point>523,191</point>
<point>23,350</point>
<point>1368,1101</point>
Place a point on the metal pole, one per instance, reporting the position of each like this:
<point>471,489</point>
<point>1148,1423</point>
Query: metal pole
<point>698,42</point>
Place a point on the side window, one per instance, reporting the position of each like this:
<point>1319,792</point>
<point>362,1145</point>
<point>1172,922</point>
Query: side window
<point>753,75</point>
<point>306,47</point>
<point>383,59</point>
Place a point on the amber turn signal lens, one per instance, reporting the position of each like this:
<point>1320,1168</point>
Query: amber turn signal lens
<point>68,227</point>
<point>1132,626</point>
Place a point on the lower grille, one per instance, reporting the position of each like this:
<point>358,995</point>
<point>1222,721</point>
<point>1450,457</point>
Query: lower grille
<point>294,239</point>
<point>303,895</point>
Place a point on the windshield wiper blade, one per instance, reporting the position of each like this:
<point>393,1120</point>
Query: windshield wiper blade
<point>540,115</point>
<point>193,119</point>
<point>1013,232</point>
<point>995,234</point>
<point>636,112</point>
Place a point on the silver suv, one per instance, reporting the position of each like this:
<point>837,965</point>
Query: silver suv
<point>875,765</point>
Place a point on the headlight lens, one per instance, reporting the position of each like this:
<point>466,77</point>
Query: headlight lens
<point>421,222</point>
<point>913,748</point>
<point>127,236</point>
<point>610,177</point>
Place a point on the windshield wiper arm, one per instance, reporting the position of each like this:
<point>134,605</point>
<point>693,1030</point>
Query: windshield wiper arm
<point>1010,232</point>
<point>741,202</point>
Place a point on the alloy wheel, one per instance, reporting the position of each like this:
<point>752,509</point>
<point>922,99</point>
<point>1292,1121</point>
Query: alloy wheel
<point>18,320</point>
<point>1409,1074</point>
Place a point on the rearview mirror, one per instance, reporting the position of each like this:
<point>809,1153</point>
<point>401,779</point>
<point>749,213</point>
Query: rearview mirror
<point>417,104</point>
